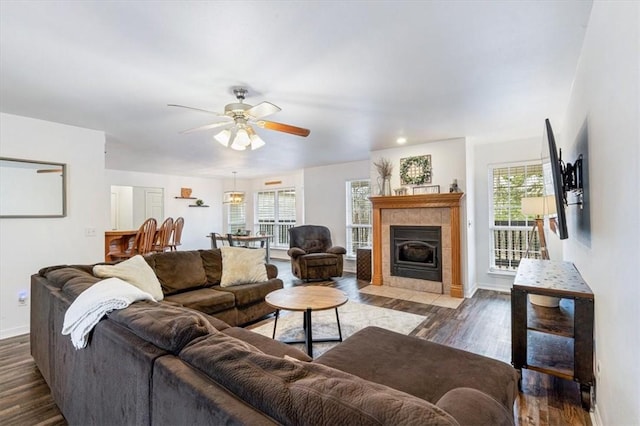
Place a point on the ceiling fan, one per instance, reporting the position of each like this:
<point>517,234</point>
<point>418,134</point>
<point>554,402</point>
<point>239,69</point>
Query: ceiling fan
<point>236,131</point>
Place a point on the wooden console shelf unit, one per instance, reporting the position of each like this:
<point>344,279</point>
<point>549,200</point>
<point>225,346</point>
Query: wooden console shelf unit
<point>556,341</point>
<point>450,200</point>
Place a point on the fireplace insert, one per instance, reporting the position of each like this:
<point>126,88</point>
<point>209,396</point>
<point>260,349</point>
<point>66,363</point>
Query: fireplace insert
<point>416,252</point>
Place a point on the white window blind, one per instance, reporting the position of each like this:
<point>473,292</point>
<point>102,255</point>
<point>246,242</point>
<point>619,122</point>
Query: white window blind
<point>358,215</point>
<point>510,229</point>
<point>237,217</point>
<point>276,214</point>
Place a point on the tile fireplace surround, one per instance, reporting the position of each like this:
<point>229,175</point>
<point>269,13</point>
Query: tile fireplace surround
<point>420,210</point>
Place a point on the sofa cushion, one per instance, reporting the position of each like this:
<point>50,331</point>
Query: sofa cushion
<point>293,392</point>
<point>320,259</point>
<point>136,271</point>
<point>58,276</point>
<point>266,344</point>
<point>204,300</point>
<point>212,262</point>
<point>168,327</point>
<point>242,265</point>
<point>77,285</point>
<point>179,271</point>
<point>446,367</point>
<point>247,294</point>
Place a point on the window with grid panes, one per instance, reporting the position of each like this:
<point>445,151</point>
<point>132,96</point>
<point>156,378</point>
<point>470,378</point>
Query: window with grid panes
<point>510,230</point>
<point>236,217</point>
<point>276,214</point>
<point>358,215</point>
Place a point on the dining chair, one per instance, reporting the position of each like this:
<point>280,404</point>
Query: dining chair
<point>176,235</point>
<point>164,233</point>
<point>141,244</point>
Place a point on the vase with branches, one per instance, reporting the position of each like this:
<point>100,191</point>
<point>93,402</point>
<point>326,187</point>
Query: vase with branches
<point>384,166</point>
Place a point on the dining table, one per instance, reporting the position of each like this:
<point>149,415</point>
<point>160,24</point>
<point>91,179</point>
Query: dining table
<point>244,240</point>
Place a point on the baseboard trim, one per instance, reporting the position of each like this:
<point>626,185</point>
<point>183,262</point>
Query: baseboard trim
<point>495,287</point>
<point>12,332</point>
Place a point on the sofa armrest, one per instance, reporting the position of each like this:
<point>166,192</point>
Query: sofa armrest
<point>296,252</point>
<point>473,407</point>
<point>337,250</point>
<point>272,271</point>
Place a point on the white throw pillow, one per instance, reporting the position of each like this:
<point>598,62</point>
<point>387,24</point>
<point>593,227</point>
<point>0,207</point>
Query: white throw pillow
<point>136,271</point>
<point>242,266</point>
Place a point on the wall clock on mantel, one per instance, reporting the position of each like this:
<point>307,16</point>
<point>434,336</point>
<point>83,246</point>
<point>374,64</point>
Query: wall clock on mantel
<point>415,170</point>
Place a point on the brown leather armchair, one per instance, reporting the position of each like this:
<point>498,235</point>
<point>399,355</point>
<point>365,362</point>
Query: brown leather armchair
<point>313,256</point>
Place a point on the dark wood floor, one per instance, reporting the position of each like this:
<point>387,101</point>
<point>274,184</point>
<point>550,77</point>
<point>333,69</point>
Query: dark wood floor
<point>481,325</point>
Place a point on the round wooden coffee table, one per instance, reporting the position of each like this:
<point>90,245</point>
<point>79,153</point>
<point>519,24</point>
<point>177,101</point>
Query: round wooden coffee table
<point>307,299</point>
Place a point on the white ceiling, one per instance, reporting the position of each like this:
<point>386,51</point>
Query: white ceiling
<point>358,74</point>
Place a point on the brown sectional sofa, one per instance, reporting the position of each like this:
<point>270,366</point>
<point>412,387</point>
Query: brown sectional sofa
<point>161,363</point>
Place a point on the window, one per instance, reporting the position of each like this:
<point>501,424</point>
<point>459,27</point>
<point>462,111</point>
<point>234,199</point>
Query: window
<point>237,217</point>
<point>276,214</point>
<point>358,215</point>
<point>509,228</point>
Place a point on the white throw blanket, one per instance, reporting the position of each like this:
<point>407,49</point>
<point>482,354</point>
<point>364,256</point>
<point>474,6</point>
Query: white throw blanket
<point>96,301</point>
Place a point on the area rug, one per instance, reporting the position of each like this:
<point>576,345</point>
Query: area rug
<point>354,316</point>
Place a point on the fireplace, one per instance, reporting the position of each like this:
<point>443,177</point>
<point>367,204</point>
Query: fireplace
<point>416,252</point>
<point>420,210</point>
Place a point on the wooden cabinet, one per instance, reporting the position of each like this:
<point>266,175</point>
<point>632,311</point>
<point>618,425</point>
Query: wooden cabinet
<point>556,341</point>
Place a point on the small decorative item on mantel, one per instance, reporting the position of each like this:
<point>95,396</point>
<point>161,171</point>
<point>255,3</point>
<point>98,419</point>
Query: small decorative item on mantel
<point>385,168</point>
<point>199,203</point>
<point>401,191</point>
<point>454,186</point>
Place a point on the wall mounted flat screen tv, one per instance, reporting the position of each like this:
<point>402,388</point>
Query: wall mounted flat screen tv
<point>556,185</point>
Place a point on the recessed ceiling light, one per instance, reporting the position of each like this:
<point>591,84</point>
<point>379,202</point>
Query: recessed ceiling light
<point>401,140</point>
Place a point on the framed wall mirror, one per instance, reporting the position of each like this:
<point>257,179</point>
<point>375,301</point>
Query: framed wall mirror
<point>32,189</point>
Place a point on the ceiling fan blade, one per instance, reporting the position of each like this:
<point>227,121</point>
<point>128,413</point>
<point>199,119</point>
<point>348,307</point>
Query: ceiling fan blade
<point>197,109</point>
<point>208,126</point>
<point>262,110</point>
<point>272,125</point>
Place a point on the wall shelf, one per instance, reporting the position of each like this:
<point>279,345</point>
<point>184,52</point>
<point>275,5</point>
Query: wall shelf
<point>195,205</point>
<point>185,198</point>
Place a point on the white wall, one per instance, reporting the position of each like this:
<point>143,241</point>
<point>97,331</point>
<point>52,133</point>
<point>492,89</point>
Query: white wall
<point>26,245</point>
<point>325,196</point>
<point>325,199</point>
<point>605,102</point>
<point>448,161</point>
<point>198,221</point>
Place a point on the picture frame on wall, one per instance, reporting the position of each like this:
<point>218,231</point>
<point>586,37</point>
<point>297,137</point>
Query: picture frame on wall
<point>415,170</point>
<point>428,189</point>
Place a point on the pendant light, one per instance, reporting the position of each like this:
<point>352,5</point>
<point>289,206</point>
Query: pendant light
<point>233,197</point>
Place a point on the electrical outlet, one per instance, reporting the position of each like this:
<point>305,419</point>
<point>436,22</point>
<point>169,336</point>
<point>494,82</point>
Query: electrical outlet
<point>22,298</point>
<point>89,232</point>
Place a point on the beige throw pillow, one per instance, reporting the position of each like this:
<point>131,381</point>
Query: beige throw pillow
<point>136,271</point>
<point>242,266</point>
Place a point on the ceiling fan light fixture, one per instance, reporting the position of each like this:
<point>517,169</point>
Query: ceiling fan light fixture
<point>223,137</point>
<point>256,142</point>
<point>242,138</point>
